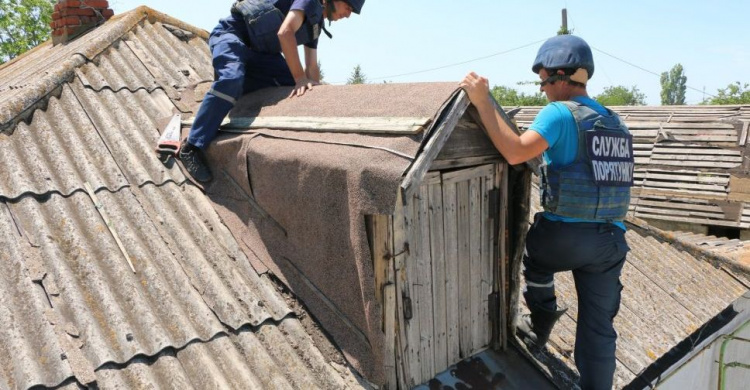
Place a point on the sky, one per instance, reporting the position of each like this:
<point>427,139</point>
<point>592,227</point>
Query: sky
<point>633,41</point>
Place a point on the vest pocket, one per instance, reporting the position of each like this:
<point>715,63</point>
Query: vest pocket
<point>263,21</point>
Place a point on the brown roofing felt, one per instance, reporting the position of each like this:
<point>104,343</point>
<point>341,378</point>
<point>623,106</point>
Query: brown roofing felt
<point>669,292</point>
<point>82,194</point>
<point>361,100</point>
<point>316,188</point>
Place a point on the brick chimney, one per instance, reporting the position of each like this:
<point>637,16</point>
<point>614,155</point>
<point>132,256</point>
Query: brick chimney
<point>74,17</point>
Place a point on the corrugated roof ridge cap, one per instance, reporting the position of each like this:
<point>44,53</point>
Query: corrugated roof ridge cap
<point>28,97</point>
<point>691,248</point>
<point>117,27</point>
<point>157,16</point>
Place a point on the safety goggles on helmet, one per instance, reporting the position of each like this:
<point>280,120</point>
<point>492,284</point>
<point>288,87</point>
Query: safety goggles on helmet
<point>579,76</point>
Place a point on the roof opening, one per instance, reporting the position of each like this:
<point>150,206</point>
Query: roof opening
<point>724,231</point>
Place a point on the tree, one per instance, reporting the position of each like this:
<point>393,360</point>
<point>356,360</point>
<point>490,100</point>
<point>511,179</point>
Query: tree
<point>673,85</point>
<point>564,31</point>
<point>357,77</point>
<point>734,93</point>
<point>320,71</point>
<point>24,24</point>
<point>621,96</point>
<point>507,96</point>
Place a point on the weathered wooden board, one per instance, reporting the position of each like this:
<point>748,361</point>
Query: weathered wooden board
<point>389,326</point>
<point>423,283</point>
<point>381,125</point>
<point>413,330</point>
<point>435,144</point>
<point>464,269</point>
<point>475,256</point>
<point>382,242</point>
<point>442,165</point>
<point>401,257</point>
<point>437,251</point>
<point>485,276</point>
<point>450,218</point>
<point>503,285</point>
<point>699,221</point>
<point>467,142</point>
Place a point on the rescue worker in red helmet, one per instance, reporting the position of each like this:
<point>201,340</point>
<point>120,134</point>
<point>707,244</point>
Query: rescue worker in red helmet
<point>585,191</point>
<point>247,49</point>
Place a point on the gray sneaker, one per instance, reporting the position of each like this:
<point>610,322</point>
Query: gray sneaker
<point>193,160</point>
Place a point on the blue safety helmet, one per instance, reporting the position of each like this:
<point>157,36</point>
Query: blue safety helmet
<point>356,5</point>
<point>564,51</point>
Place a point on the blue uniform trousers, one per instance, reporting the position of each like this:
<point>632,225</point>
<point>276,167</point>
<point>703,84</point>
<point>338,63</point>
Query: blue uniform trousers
<point>237,70</point>
<point>595,252</point>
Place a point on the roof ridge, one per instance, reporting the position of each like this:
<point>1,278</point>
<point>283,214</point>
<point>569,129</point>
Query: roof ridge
<point>83,50</point>
<point>696,250</point>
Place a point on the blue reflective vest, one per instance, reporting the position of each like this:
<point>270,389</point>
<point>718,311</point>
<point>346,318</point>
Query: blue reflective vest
<point>263,21</point>
<point>596,185</point>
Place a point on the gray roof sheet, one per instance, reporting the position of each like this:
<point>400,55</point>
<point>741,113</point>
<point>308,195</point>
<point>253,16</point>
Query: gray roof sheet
<point>195,313</point>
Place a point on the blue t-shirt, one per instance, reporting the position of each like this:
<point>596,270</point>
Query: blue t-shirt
<point>312,9</point>
<point>556,124</point>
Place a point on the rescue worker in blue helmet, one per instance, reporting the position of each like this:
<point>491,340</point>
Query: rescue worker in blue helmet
<point>247,49</point>
<point>585,188</point>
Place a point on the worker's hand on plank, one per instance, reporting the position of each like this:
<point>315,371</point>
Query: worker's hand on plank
<point>304,84</point>
<point>478,89</point>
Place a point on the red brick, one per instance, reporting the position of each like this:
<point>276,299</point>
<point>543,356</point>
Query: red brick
<point>101,4</point>
<point>56,15</point>
<point>73,20</point>
<point>77,12</point>
<point>67,4</point>
<point>108,13</point>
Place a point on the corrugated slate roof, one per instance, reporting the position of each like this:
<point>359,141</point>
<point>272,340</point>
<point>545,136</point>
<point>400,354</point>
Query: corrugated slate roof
<point>669,292</point>
<point>195,313</point>
<point>734,249</point>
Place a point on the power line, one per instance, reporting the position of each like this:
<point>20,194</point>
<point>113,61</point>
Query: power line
<point>648,71</point>
<point>457,63</point>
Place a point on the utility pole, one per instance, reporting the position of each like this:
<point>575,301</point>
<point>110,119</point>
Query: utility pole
<point>564,28</point>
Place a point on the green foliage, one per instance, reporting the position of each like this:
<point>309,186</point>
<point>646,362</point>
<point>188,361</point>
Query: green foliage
<point>320,71</point>
<point>735,93</point>
<point>673,86</point>
<point>564,31</point>
<point>507,96</point>
<point>357,77</point>
<point>621,96</point>
<point>24,24</point>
